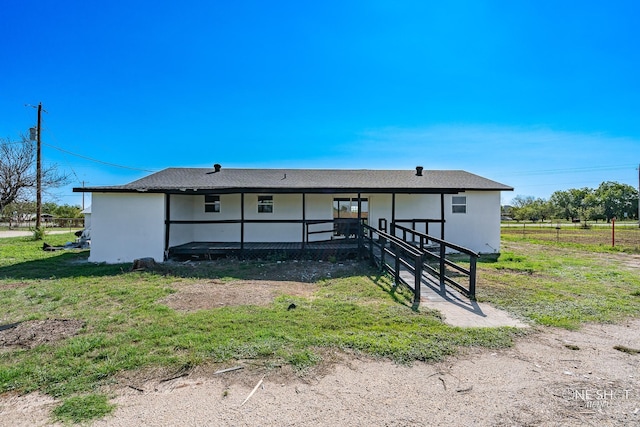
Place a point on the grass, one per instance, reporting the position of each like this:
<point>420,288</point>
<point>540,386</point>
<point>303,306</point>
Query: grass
<point>81,408</point>
<point>594,239</point>
<point>559,284</point>
<point>128,328</point>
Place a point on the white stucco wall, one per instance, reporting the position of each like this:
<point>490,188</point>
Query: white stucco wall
<point>130,226</point>
<point>126,226</point>
<point>479,228</point>
<point>285,207</point>
<point>191,208</point>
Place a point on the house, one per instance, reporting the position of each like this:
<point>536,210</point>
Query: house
<point>151,216</point>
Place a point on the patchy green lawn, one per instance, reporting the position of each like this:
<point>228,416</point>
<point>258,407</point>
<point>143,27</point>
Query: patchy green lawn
<point>126,320</point>
<point>561,285</point>
<point>127,326</point>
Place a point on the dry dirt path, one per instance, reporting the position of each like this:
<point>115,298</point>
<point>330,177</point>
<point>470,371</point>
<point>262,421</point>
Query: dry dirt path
<point>549,378</point>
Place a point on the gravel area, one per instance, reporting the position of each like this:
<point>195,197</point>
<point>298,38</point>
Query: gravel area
<point>550,378</point>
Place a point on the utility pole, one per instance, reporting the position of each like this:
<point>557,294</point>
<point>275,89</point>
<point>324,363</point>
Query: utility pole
<point>83,195</point>
<point>638,196</point>
<point>39,170</point>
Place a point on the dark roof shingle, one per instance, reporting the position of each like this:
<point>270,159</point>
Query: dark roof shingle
<point>308,180</point>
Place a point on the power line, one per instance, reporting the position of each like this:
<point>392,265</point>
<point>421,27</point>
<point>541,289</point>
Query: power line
<point>96,160</point>
<point>90,158</point>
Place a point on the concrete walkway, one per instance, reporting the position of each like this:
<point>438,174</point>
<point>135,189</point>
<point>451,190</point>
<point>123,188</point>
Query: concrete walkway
<point>459,310</point>
<point>456,309</point>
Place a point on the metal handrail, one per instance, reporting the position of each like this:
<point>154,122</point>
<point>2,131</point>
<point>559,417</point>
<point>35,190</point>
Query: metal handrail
<point>443,245</point>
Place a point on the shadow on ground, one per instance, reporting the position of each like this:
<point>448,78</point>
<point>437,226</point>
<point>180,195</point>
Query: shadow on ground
<point>65,264</point>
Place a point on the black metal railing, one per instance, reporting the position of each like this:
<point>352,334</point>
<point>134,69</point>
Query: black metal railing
<point>446,269</point>
<point>391,254</point>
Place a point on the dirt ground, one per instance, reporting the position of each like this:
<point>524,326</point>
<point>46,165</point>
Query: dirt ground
<point>33,333</point>
<point>550,377</point>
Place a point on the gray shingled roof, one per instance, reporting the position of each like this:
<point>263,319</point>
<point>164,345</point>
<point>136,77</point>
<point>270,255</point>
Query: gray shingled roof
<point>202,180</point>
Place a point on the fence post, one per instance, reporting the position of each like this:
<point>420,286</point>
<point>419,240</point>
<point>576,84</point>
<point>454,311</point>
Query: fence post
<point>359,235</point>
<point>371,258</point>
<point>418,278</point>
<point>397,266</point>
<point>472,276</point>
<point>442,271</point>
<point>383,242</point>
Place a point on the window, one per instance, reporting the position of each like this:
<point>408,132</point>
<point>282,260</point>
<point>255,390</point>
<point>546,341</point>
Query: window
<point>211,203</point>
<point>265,204</point>
<point>459,204</point>
<point>345,215</point>
<point>348,208</point>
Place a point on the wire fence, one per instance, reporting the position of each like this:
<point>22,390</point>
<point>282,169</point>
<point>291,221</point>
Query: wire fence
<point>624,236</point>
<point>58,223</point>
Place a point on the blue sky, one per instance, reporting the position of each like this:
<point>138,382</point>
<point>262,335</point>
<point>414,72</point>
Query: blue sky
<point>539,95</point>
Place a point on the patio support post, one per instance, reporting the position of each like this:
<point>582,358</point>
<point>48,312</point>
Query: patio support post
<point>241,223</point>
<point>304,220</point>
<point>360,226</point>
<point>167,223</point>
<point>392,229</point>
<point>442,216</point>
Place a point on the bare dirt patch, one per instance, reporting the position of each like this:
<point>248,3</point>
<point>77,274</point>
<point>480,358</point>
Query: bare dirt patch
<point>542,381</point>
<point>13,285</point>
<point>33,333</point>
<point>269,280</point>
<point>553,377</point>
<point>216,293</point>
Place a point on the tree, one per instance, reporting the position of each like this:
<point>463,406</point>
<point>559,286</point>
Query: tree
<point>530,208</point>
<point>575,203</point>
<point>562,203</point>
<point>617,200</point>
<point>67,211</point>
<point>18,172</point>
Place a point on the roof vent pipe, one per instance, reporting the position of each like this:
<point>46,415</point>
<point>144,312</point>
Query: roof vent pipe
<point>419,170</point>
<point>217,167</point>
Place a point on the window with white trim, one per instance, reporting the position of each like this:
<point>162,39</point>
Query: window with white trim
<point>265,204</point>
<point>211,203</point>
<point>459,204</point>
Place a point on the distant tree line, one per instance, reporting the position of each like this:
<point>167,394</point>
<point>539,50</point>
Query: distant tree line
<point>610,200</point>
<point>24,211</point>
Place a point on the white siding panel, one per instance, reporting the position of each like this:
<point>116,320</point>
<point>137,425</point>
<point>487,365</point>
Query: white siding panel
<point>379,207</point>
<point>126,226</point>
<point>419,206</point>
<point>276,232</point>
<point>479,228</point>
